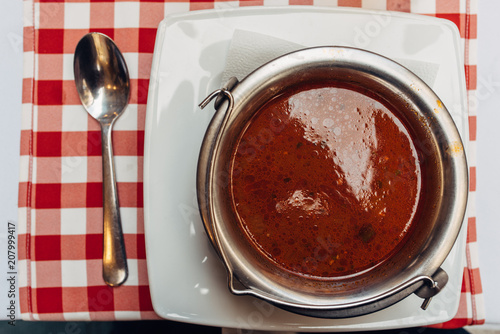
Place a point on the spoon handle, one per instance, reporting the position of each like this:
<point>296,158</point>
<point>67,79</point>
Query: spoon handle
<point>114,259</point>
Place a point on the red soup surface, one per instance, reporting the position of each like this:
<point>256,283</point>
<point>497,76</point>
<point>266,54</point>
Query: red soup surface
<point>325,181</point>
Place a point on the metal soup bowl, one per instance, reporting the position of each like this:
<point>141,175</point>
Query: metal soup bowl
<point>413,269</point>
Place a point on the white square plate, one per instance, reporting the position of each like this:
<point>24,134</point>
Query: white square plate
<point>188,282</point>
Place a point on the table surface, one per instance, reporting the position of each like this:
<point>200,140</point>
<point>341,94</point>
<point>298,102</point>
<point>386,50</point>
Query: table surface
<point>488,157</point>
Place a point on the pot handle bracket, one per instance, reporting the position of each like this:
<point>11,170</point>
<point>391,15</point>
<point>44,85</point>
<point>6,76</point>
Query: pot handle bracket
<point>221,94</point>
<point>432,286</point>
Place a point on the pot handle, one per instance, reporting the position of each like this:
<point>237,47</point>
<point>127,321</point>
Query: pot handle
<point>432,285</point>
<point>436,283</point>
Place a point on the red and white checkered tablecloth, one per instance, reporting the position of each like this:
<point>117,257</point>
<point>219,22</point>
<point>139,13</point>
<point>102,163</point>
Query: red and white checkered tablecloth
<point>60,200</point>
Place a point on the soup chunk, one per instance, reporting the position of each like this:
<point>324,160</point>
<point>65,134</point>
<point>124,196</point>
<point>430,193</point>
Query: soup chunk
<point>325,181</point>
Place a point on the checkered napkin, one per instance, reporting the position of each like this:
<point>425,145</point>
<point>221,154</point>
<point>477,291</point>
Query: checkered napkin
<point>60,191</point>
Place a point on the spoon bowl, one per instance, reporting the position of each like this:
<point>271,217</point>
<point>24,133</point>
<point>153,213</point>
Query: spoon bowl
<point>102,82</point>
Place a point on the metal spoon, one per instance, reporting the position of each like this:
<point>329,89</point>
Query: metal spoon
<point>102,81</point>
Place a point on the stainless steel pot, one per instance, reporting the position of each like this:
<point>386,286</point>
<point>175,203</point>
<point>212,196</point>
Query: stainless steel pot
<point>416,267</point>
